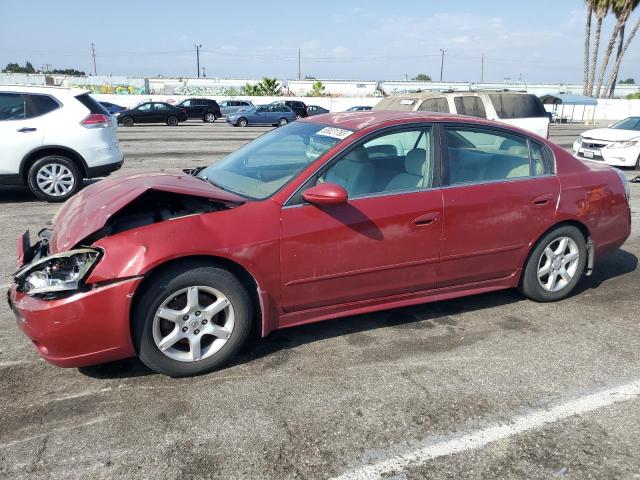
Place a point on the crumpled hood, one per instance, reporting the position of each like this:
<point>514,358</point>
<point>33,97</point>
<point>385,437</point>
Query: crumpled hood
<point>610,134</point>
<point>90,209</point>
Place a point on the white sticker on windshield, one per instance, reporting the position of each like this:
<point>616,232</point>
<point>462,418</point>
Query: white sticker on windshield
<point>334,132</point>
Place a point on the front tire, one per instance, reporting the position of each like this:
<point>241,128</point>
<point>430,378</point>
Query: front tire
<point>172,121</point>
<point>555,265</point>
<point>242,122</point>
<point>282,122</point>
<point>128,121</point>
<point>192,319</point>
<point>54,178</point>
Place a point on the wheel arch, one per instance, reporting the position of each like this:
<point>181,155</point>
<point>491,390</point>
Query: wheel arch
<point>569,222</point>
<point>248,281</point>
<point>45,150</point>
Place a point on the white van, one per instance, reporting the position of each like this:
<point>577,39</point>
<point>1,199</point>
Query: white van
<point>522,110</point>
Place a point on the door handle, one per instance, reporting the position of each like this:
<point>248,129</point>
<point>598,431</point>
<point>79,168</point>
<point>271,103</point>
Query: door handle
<point>26,129</point>
<point>543,199</point>
<point>426,219</point>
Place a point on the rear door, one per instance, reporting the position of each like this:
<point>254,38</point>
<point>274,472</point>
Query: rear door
<point>143,113</point>
<point>21,127</point>
<point>500,196</point>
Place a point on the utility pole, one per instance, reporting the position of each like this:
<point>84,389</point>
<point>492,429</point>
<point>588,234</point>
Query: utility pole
<point>299,72</point>
<point>482,70</point>
<point>93,54</point>
<point>198,47</point>
<point>46,67</point>
<point>442,62</point>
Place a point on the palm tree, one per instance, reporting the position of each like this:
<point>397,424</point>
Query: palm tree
<point>270,87</point>
<point>616,66</point>
<point>624,13</point>
<point>623,10</point>
<point>251,90</point>
<point>601,8</point>
<point>587,38</point>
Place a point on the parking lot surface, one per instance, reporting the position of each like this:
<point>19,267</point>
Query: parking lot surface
<point>490,386</point>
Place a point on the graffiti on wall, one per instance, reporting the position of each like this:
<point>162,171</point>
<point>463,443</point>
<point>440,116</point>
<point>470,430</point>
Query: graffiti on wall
<point>223,91</point>
<point>112,89</point>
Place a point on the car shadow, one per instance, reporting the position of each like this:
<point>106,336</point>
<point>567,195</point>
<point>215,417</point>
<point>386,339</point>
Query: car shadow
<point>617,264</point>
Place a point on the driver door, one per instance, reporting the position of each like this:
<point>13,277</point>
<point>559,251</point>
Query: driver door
<point>384,241</point>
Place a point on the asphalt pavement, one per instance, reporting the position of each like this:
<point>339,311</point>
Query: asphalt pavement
<point>489,386</point>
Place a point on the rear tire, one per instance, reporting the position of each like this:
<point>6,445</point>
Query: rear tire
<point>128,121</point>
<point>209,117</point>
<point>555,265</point>
<point>282,122</point>
<point>172,121</point>
<point>242,122</point>
<point>192,325</point>
<point>54,178</point>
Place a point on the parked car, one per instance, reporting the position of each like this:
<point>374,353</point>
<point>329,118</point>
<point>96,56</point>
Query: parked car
<point>299,107</point>
<point>522,110</point>
<point>204,108</point>
<point>316,110</point>
<point>618,145</point>
<point>51,138</point>
<point>229,107</point>
<point>323,218</point>
<point>152,112</point>
<point>361,108</point>
<point>112,107</point>
<point>262,115</point>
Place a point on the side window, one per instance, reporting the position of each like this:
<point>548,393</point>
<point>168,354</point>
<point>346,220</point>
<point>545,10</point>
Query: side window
<point>145,107</point>
<point>517,105</point>
<point>36,105</point>
<point>479,155</point>
<point>11,106</point>
<point>541,159</point>
<point>471,106</point>
<point>401,160</point>
<point>187,103</point>
<point>438,104</point>
<point>159,107</point>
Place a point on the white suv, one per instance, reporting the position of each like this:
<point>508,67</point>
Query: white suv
<point>519,109</point>
<point>51,138</point>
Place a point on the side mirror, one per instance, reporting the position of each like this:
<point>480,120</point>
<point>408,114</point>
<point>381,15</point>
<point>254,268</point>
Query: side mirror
<point>326,194</point>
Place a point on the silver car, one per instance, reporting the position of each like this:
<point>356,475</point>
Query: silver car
<point>229,107</point>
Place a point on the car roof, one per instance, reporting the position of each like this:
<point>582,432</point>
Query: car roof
<point>363,119</point>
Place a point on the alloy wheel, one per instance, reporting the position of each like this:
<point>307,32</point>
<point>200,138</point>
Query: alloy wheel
<point>558,264</point>
<point>193,323</point>
<point>55,179</point>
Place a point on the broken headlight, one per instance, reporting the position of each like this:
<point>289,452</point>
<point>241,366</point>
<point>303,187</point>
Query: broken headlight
<point>57,273</point>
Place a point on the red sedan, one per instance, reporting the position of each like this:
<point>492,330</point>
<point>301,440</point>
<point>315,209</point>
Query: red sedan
<point>331,216</point>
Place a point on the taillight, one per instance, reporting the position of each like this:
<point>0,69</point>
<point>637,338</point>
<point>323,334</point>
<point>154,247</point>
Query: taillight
<point>96,120</point>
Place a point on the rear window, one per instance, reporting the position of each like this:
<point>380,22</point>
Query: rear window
<point>517,106</point>
<point>93,106</point>
<point>471,106</point>
<point>438,104</point>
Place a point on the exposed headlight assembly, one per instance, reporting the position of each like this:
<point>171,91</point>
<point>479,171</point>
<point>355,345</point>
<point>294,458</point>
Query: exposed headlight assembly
<point>57,273</point>
<point>625,144</point>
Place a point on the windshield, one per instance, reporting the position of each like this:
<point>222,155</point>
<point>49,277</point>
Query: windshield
<point>263,166</point>
<point>631,123</point>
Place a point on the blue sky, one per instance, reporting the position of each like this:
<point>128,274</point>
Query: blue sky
<point>537,41</point>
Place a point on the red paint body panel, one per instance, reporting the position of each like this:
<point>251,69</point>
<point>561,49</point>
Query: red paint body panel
<point>84,329</point>
<point>312,263</point>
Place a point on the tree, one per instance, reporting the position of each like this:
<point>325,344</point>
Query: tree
<point>587,39</point>
<point>601,8</point>
<point>616,66</point>
<point>251,90</point>
<point>623,10</point>
<point>270,87</point>
<point>628,81</point>
<point>422,77</point>
<point>68,71</point>
<point>15,68</point>
<point>317,90</point>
